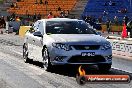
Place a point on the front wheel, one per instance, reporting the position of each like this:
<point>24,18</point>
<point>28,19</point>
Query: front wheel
<point>25,53</point>
<point>46,60</point>
<point>104,67</point>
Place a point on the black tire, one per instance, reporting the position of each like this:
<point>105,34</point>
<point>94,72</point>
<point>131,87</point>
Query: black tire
<point>25,53</point>
<point>46,60</point>
<point>104,67</point>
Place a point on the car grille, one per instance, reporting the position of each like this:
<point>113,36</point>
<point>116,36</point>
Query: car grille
<point>86,59</point>
<point>86,47</point>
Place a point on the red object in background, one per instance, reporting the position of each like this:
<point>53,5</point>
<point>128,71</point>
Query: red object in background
<point>50,16</point>
<point>124,32</point>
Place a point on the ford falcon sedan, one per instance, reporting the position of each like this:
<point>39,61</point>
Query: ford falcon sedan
<point>62,41</point>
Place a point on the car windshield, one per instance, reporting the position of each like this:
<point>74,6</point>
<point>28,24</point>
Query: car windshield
<point>68,27</point>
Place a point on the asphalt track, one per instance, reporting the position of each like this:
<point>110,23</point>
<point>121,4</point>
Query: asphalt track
<point>14,73</point>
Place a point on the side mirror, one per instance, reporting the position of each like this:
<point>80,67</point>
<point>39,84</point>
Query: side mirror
<point>31,30</point>
<point>99,33</point>
<point>38,34</point>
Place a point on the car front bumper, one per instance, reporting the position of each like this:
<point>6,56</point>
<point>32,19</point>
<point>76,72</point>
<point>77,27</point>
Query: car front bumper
<point>62,57</point>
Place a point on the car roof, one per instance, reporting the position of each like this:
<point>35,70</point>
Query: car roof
<point>59,19</point>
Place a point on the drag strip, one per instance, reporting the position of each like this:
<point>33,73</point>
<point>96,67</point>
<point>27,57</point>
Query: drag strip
<point>14,73</point>
<point>7,42</point>
<point>31,75</point>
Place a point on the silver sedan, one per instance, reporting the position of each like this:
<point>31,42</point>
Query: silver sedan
<point>61,41</point>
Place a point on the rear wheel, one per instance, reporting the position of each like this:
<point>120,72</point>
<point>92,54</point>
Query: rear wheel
<point>104,67</point>
<point>46,60</point>
<point>25,53</point>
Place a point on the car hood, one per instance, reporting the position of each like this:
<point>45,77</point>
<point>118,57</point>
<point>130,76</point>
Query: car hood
<point>78,38</point>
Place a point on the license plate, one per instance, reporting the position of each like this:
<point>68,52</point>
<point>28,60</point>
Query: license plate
<point>88,54</point>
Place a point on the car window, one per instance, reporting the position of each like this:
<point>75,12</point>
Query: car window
<point>68,27</point>
<point>35,26</point>
<point>40,27</point>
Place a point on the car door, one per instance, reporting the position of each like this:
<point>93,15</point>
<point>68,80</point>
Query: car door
<point>38,41</point>
<point>30,39</point>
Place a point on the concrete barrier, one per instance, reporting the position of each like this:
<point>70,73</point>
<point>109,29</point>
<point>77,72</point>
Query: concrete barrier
<point>122,47</point>
<point>114,28</point>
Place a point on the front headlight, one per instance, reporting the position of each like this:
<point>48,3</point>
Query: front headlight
<point>106,46</point>
<point>62,46</point>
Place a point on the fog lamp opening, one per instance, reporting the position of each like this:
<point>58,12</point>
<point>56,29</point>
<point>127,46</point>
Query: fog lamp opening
<point>109,58</point>
<point>59,58</point>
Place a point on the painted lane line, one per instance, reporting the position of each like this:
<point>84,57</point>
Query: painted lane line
<point>19,53</point>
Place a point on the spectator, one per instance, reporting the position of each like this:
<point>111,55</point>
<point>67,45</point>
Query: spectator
<point>83,17</point>
<point>34,17</point>
<point>26,12</point>
<point>129,28</point>
<point>105,13</point>
<point>124,10</point>
<point>8,18</point>
<point>41,2</point>
<point>68,12</point>
<point>39,16</point>
<point>110,3</point>
<point>59,8</point>
<point>22,21</point>
<point>50,15</point>
<point>17,18</point>
<point>116,20</point>
<point>62,14</point>
<point>46,2</point>
<point>3,22</point>
<point>15,5</point>
<point>13,15</point>
<point>93,19</point>
<point>125,19</point>
<point>108,24</point>
<point>66,15</point>
<point>100,19</point>
<point>12,5</point>
<point>87,19</point>
<point>28,15</point>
